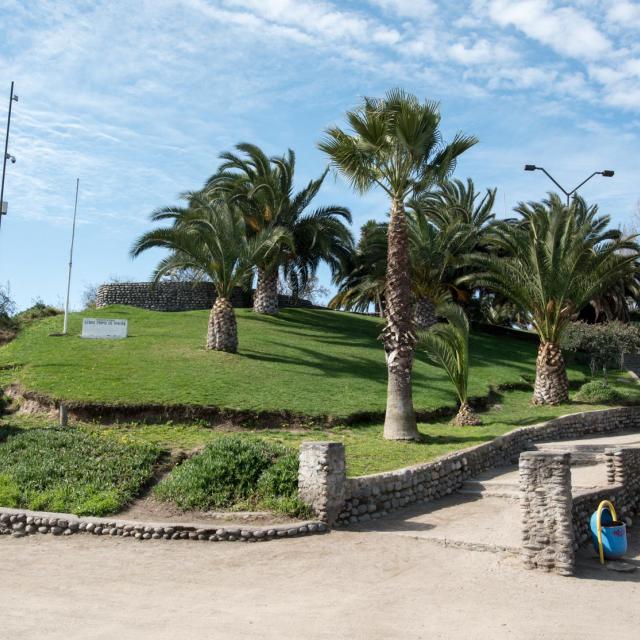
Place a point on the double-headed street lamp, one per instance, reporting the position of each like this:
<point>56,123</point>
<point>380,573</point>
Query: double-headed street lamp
<point>7,156</point>
<point>607,173</point>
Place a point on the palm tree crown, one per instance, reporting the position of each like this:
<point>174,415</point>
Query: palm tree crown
<point>262,188</point>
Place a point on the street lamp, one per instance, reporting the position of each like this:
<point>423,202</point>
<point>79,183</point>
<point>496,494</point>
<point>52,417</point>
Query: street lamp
<point>607,173</point>
<point>7,156</point>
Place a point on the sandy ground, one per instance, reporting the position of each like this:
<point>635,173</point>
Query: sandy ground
<point>355,585</point>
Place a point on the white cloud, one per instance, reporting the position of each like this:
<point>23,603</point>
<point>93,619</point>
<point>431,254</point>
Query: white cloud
<point>563,29</point>
<point>480,52</point>
<point>420,9</point>
<point>624,13</point>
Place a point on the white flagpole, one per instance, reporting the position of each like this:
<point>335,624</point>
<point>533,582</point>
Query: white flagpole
<point>73,235</point>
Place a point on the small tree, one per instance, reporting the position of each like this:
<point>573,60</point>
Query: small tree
<point>448,346</point>
<point>604,344</point>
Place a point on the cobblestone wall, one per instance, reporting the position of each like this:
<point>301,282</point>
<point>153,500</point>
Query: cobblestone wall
<point>175,296</point>
<point>376,495</point>
<point>545,502</point>
<point>19,523</point>
<point>163,296</point>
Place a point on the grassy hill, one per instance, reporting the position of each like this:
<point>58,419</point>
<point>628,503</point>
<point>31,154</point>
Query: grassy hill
<point>304,360</point>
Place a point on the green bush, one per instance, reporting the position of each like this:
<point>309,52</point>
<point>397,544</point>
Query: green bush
<point>235,472</point>
<point>598,391</point>
<point>71,470</point>
<point>36,312</point>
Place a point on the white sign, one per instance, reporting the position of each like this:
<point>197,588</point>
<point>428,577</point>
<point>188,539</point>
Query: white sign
<point>102,328</point>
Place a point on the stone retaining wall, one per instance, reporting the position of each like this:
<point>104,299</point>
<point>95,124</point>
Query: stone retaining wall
<point>374,496</point>
<point>20,523</point>
<point>175,296</point>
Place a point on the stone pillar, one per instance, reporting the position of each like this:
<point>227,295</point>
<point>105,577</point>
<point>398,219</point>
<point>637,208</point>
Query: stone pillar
<point>322,478</point>
<point>546,506</point>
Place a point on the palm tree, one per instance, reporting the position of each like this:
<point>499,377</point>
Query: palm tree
<point>395,144</point>
<point>463,217</point>
<point>209,238</point>
<point>551,263</point>
<point>448,346</point>
<point>262,188</point>
<point>435,255</point>
<point>361,277</point>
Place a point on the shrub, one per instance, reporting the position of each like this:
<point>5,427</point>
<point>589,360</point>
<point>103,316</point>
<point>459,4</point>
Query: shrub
<point>598,391</point>
<point>235,472</point>
<point>37,311</point>
<point>70,470</point>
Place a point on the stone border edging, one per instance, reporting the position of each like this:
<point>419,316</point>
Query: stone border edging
<point>21,522</point>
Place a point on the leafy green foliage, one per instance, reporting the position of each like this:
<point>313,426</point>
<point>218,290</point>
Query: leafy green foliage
<point>72,471</point>
<point>234,471</point>
<point>598,391</point>
<point>553,260</point>
<point>262,188</point>
<point>605,343</point>
<point>209,237</point>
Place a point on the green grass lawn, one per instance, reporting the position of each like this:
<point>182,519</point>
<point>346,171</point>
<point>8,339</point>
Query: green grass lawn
<point>307,361</point>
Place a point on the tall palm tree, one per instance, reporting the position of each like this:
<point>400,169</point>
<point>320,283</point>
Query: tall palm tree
<point>447,344</point>
<point>551,263</point>
<point>209,238</point>
<point>395,144</point>
<point>262,188</point>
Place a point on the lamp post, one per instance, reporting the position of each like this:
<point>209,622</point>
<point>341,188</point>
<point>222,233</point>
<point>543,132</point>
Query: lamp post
<point>607,173</point>
<point>7,156</point>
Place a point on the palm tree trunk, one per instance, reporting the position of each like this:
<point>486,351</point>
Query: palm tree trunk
<point>265,298</point>
<point>466,417</point>
<point>399,340</point>
<point>223,329</point>
<point>552,385</point>
<point>424,314</point>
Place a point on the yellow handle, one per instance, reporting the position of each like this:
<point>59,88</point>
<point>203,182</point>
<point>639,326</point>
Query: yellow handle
<point>601,506</point>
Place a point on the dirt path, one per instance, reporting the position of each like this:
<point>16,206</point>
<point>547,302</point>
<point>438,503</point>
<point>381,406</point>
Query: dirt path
<point>350,585</point>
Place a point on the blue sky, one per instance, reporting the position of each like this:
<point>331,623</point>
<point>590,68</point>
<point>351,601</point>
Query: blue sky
<point>137,99</point>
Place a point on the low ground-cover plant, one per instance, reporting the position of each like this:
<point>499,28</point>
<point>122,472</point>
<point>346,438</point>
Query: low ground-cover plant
<point>598,391</point>
<point>70,470</point>
<point>236,472</point>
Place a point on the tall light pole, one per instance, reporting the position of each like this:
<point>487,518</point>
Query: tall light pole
<point>73,235</point>
<point>3,209</point>
<point>607,173</point>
